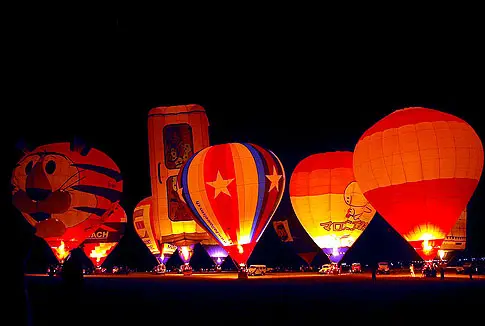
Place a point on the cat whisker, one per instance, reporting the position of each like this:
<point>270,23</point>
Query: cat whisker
<point>74,175</point>
<point>74,182</point>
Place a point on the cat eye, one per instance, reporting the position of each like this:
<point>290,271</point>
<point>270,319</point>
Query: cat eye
<point>50,167</point>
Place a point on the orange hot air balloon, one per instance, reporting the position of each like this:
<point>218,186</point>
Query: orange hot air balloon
<point>175,133</point>
<point>233,190</point>
<point>419,168</point>
<point>102,241</point>
<point>329,203</point>
<point>64,190</point>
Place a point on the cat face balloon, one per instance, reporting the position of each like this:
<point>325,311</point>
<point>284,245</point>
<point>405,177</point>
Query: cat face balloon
<point>64,190</point>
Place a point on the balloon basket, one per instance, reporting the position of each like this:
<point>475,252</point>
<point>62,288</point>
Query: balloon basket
<point>242,275</point>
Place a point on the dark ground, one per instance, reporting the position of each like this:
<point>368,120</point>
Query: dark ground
<point>282,301</point>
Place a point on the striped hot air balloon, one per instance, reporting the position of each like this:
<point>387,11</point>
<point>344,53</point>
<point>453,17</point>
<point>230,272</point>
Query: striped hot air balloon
<point>233,190</point>
<point>419,168</point>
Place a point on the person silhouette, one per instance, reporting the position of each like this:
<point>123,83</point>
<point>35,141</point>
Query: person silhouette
<point>72,274</point>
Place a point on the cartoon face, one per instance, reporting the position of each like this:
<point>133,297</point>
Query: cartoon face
<point>187,149</point>
<point>353,196</point>
<point>172,154</point>
<point>57,188</point>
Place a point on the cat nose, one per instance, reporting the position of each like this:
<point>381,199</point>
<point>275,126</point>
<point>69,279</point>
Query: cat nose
<point>38,193</point>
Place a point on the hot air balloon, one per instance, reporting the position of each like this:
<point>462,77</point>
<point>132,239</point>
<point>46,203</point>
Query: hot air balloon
<point>233,190</point>
<point>174,134</point>
<point>455,241</point>
<point>419,168</point>
<point>64,190</point>
<point>329,203</point>
<point>102,241</point>
<point>143,223</point>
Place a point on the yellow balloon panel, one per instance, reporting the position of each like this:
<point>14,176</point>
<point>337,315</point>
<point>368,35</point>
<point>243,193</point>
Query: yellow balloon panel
<point>330,220</point>
<point>142,221</point>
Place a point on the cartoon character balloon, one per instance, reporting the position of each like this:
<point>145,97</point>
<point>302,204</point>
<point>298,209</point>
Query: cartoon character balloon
<point>328,202</point>
<point>419,168</point>
<point>103,241</point>
<point>233,190</point>
<point>64,191</point>
<point>175,133</point>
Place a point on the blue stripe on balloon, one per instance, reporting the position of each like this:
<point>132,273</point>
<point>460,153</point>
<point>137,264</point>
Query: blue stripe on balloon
<point>258,159</point>
<point>276,163</point>
<point>186,195</point>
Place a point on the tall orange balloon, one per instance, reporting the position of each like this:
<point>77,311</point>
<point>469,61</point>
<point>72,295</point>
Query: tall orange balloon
<point>419,168</point>
<point>233,191</point>
<point>175,133</point>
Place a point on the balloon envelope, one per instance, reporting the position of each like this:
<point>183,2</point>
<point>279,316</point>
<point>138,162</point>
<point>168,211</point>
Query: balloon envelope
<point>419,168</point>
<point>455,241</point>
<point>233,190</point>
<point>175,133</point>
<point>64,190</point>
<point>328,202</point>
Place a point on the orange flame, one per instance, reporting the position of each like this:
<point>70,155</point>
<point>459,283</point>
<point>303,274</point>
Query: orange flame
<point>61,252</point>
<point>101,251</point>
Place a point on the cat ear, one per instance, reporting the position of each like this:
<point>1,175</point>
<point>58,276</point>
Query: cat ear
<point>80,146</point>
<point>22,146</point>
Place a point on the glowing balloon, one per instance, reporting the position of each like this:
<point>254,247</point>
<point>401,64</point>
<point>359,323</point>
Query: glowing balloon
<point>419,168</point>
<point>102,241</point>
<point>233,190</point>
<point>64,190</point>
<point>455,240</point>
<point>143,223</point>
<point>328,202</point>
<point>174,134</point>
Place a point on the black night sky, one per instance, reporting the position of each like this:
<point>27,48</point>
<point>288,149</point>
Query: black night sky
<point>295,91</point>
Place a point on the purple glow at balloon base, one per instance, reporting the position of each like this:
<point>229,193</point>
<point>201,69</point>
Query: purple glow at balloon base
<point>335,254</point>
<point>218,260</point>
<point>162,259</point>
<point>216,253</point>
<point>185,253</point>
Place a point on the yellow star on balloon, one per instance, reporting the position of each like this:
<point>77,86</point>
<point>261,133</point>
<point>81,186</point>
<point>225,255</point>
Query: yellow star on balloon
<point>273,178</point>
<point>220,185</point>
